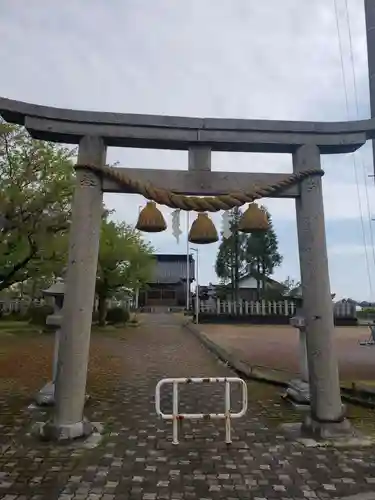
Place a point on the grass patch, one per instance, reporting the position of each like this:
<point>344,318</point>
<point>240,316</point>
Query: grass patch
<point>13,325</point>
<point>117,331</point>
<point>366,382</point>
<point>13,328</point>
<point>109,330</point>
<point>361,418</point>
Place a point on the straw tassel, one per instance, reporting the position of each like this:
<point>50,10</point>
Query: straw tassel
<point>150,219</point>
<point>253,220</point>
<point>203,230</point>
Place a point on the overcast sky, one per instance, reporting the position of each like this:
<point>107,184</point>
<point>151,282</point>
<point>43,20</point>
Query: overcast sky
<point>213,58</point>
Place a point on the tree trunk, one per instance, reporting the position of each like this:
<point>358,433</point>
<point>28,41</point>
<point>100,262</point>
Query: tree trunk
<point>258,280</point>
<point>33,290</point>
<point>232,276</point>
<point>236,265</point>
<point>102,310</point>
<point>263,279</point>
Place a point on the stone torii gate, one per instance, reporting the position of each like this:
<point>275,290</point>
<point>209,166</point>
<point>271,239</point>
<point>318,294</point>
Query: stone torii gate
<point>94,131</point>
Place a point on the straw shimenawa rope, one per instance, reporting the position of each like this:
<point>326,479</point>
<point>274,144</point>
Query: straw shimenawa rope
<point>197,203</point>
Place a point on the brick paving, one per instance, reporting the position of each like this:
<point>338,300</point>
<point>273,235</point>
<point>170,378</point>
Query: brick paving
<point>135,459</point>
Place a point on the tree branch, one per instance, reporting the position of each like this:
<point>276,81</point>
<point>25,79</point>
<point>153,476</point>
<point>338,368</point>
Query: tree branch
<point>7,278</point>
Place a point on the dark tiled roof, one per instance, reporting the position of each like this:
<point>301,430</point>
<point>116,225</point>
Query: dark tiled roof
<point>172,257</point>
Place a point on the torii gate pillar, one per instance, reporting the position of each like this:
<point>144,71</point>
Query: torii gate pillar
<point>87,210</point>
<point>327,417</point>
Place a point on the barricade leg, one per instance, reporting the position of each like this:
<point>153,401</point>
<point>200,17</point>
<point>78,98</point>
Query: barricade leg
<point>175,413</point>
<point>228,429</point>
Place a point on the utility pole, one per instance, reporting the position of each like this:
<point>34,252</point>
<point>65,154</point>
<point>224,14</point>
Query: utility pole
<point>236,215</point>
<point>370,32</point>
<point>187,263</point>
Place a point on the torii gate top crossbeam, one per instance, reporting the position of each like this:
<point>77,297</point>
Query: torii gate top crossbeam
<point>180,133</point>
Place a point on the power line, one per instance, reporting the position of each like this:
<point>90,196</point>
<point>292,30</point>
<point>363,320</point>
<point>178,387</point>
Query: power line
<point>341,51</point>
<point>351,52</point>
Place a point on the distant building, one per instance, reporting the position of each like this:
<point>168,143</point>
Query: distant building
<point>168,284</point>
<point>247,289</point>
<point>247,286</point>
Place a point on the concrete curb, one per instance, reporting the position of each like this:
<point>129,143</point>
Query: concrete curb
<point>244,370</point>
<point>236,365</point>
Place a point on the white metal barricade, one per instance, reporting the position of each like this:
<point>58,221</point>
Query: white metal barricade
<point>175,416</point>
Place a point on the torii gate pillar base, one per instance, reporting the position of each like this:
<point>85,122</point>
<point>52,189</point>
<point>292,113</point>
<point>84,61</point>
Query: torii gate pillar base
<point>326,430</point>
<point>62,433</point>
<point>313,434</point>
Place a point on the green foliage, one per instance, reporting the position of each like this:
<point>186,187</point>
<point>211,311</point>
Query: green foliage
<point>366,313</point>
<point>36,182</point>
<point>95,316</point>
<point>125,262</point>
<point>290,287</point>
<point>13,316</point>
<point>38,314</point>
<point>256,253</point>
<point>231,257</point>
<point>117,315</point>
<point>368,310</point>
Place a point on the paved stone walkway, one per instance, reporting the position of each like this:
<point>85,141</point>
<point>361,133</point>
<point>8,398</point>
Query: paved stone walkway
<point>136,461</point>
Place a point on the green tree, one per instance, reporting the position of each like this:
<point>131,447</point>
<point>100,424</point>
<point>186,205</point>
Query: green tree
<point>36,184</point>
<point>262,254</point>
<point>231,256</point>
<point>125,262</point>
<point>291,287</point>
<point>288,288</point>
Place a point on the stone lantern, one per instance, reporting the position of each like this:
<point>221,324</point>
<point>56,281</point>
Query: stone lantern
<point>46,395</point>
<point>298,390</point>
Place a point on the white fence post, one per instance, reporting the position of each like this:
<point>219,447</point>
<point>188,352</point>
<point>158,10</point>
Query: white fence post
<point>285,307</point>
<point>263,308</point>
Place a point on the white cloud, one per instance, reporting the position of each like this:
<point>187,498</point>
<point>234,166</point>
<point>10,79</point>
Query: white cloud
<point>350,250</point>
<point>224,58</point>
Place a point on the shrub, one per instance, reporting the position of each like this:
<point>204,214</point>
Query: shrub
<point>117,315</point>
<point>368,310</point>
<point>13,316</point>
<point>95,316</point>
<point>37,315</point>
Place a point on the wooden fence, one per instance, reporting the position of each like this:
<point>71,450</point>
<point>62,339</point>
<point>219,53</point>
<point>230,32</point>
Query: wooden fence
<point>18,305</point>
<point>286,308</point>
<point>22,305</point>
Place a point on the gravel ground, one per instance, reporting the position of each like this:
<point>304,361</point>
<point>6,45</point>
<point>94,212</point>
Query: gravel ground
<point>276,347</point>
